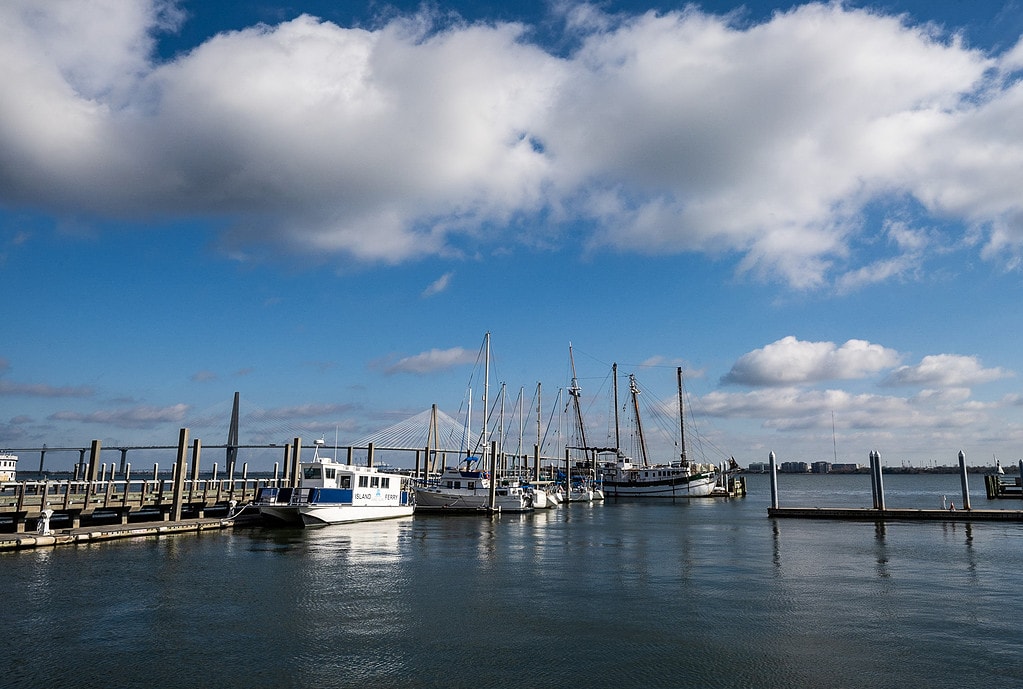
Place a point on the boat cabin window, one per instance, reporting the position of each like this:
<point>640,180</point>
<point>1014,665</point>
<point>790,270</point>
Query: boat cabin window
<point>363,481</point>
<point>312,472</point>
<point>385,482</point>
<point>345,482</point>
<point>374,482</point>
<point>329,472</point>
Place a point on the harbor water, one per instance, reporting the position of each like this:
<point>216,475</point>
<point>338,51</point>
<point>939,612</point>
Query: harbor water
<point>707,593</point>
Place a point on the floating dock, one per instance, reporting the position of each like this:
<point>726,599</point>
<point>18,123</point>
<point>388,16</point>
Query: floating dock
<point>881,512</point>
<point>23,541</point>
<point>871,514</point>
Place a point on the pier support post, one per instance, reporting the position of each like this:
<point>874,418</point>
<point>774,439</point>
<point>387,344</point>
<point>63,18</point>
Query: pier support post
<point>873,481</point>
<point>963,480</point>
<point>196,451</point>
<point>93,461</point>
<point>296,462</point>
<point>774,480</point>
<point>180,468</point>
<point>880,481</point>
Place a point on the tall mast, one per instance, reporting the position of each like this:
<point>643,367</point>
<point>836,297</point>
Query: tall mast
<point>539,421</point>
<point>486,426</point>
<point>486,391</point>
<point>681,418</point>
<point>575,391</point>
<point>634,389</point>
<point>618,433</point>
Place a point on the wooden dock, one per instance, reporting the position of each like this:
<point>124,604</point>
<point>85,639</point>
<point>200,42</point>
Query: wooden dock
<point>82,503</point>
<point>91,534</point>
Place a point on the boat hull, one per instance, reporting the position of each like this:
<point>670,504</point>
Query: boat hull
<point>674,487</point>
<point>439,499</point>
<point>312,515</point>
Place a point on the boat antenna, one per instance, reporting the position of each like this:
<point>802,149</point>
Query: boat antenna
<point>834,438</point>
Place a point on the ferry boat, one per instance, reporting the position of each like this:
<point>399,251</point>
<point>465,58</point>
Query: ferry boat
<point>8,468</point>
<point>334,493</point>
<point>467,489</point>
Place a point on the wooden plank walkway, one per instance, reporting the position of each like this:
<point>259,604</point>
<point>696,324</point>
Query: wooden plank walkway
<point>871,514</point>
<point>92,534</point>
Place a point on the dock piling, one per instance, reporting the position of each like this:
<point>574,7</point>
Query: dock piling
<point>774,481</point>
<point>880,481</point>
<point>963,480</point>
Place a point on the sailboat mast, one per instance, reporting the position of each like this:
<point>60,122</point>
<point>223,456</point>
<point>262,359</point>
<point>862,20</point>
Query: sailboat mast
<point>634,389</point>
<point>486,391</point>
<point>486,427</point>
<point>468,427</point>
<point>618,432</point>
<point>575,391</point>
<point>681,419</point>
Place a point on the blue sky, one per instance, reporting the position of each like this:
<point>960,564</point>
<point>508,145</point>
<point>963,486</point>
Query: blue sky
<point>814,209</point>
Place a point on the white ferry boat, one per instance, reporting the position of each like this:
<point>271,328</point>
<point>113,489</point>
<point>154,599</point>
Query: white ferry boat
<point>8,468</point>
<point>333,493</point>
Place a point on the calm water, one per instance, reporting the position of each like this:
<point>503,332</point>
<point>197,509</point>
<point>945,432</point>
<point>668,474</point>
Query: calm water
<point>637,594</point>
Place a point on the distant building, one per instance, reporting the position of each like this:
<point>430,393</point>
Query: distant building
<point>820,468</point>
<point>758,468</point>
<point>794,468</point>
<point>845,468</point>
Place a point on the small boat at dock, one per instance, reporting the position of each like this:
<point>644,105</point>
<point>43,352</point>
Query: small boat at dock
<point>334,493</point>
<point>467,489</point>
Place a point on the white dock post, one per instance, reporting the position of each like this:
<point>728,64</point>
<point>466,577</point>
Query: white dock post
<point>774,481</point>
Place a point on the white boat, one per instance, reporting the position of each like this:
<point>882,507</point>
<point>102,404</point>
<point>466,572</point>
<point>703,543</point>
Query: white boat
<point>334,493</point>
<point>8,468</point>
<point>676,479</point>
<point>543,494</point>
<point>468,489</point>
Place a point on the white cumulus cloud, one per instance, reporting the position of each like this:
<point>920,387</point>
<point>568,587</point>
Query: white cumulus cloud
<point>790,361</point>
<point>672,132</point>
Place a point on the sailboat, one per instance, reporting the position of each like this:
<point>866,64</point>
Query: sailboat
<point>676,479</point>
<point>584,487</point>
<point>470,486</point>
